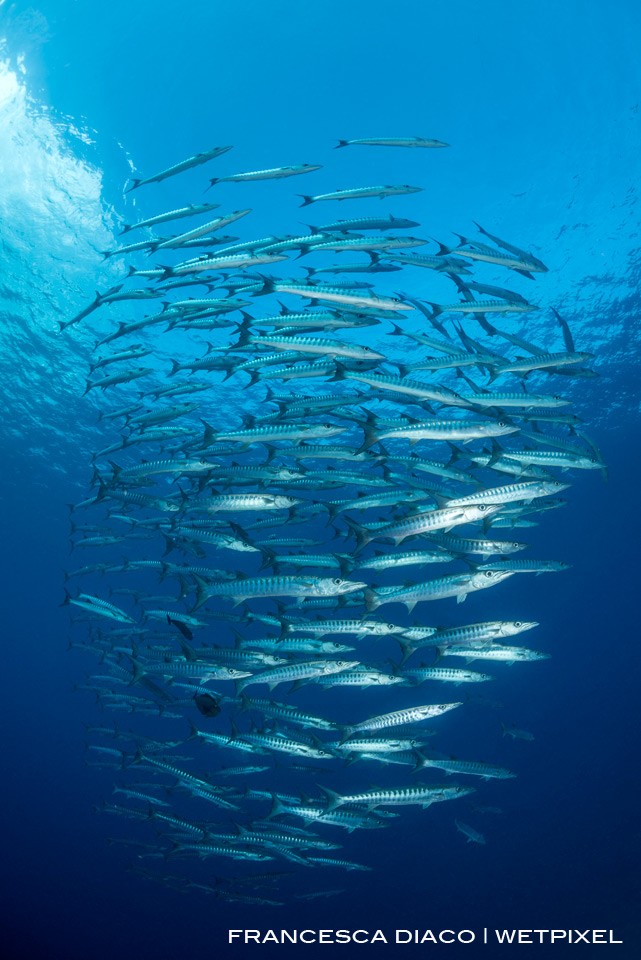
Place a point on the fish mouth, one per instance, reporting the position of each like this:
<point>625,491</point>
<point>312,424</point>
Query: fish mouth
<point>353,586</point>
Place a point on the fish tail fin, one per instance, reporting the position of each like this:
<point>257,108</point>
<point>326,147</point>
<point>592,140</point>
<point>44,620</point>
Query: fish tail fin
<point>372,600</point>
<point>341,143</point>
<point>407,649</point>
<point>201,592</point>
<point>442,251</point>
<point>362,534</point>
<point>421,760</point>
<point>334,799</point>
<point>306,200</point>
<point>370,436</point>
<point>278,807</point>
<point>134,183</point>
<point>138,670</point>
<point>346,733</point>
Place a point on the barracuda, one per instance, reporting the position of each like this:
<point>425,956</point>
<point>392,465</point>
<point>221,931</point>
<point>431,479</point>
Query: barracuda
<point>279,743</point>
<point>339,244</point>
<point>393,142</point>
<point>455,585</point>
<point>254,587</point>
<point>471,250</point>
<point>204,850</point>
<point>511,492</point>
<point>431,466</point>
<point>451,360</point>
<point>540,362</point>
<point>429,521</point>
<point>526,566</point>
<point>484,306</point>
<point>523,254</point>
<point>439,430</point>
<point>195,161</point>
<point>399,718</point>
<point>154,417</point>
<point>321,318</point>
<point>100,607</point>
<point>366,223</point>
<point>360,676</point>
<point>192,210</point>
<point>409,558</point>
<point>134,352</point>
<point>472,768</point>
<point>552,458</point>
<point>486,548</point>
<point>238,262</point>
<point>297,672</point>
<point>126,377</point>
<point>357,628</point>
<point>373,745</point>
<point>502,654</point>
<point>520,400</point>
<point>247,501</point>
<point>350,820</point>
<point>445,675</point>
<point>375,500</point>
<point>218,224</point>
<point>273,173</point>
<point>154,467</point>
<point>408,388</point>
<point>202,672</point>
<point>284,711</point>
<point>402,796</point>
<point>442,264</point>
<point>317,345</point>
<point>332,294</point>
<point>332,453</point>
<point>305,645</point>
<point>357,193</point>
<point>306,560</point>
<point>273,432</point>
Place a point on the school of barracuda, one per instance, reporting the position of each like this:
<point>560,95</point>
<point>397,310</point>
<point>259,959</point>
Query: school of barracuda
<point>258,549</point>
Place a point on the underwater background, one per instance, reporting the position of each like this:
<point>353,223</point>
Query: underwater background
<point>541,106</point>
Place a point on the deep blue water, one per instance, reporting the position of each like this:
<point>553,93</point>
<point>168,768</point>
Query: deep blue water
<point>541,107</point>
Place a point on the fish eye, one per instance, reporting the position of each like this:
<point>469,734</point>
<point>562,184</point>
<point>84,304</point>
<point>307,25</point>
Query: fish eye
<point>489,573</point>
<point>518,623</point>
<point>515,544</point>
<point>327,425</point>
<point>337,580</point>
<point>502,423</point>
<point>390,626</point>
<point>482,508</point>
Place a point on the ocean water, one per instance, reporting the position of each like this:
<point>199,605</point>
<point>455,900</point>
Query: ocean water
<point>540,107</point>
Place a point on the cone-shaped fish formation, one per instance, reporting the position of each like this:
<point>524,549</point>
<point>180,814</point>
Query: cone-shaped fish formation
<point>284,455</point>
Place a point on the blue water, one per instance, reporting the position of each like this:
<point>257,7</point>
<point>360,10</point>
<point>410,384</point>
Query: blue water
<point>541,108</point>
